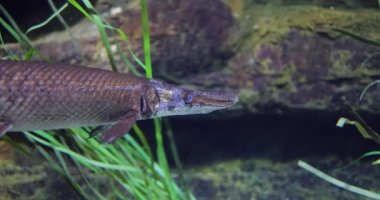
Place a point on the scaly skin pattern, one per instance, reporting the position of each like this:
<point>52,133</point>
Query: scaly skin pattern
<point>38,96</point>
<point>41,96</point>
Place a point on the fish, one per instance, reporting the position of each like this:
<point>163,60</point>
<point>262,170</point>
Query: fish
<point>36,95</point>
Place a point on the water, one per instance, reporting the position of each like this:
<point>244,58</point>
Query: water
<point>290,62</point>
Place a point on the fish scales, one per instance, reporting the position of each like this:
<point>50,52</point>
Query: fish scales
<point>37,96</point>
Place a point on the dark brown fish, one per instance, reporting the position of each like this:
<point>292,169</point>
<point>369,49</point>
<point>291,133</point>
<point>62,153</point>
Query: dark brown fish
<point>41,96</point>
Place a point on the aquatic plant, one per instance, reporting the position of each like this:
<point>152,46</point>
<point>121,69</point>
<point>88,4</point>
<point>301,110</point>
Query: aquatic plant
<point>366,131</point>
<point>128,164</point>
<point>363,128</point>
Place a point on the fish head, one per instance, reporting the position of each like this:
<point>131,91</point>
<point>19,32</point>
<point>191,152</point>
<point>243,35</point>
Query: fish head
<point>174,100</point>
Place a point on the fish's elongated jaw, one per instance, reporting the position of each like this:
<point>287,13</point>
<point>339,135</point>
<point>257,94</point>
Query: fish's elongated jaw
<point>178,101</point>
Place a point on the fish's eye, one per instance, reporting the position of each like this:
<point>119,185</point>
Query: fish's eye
<point>142,104</point>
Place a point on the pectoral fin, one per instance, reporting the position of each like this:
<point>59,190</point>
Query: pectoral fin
<point>4,127</point>
<point>97,130</point>
<point>119,128</point>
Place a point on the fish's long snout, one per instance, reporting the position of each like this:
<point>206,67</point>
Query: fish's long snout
<point>175,100</point>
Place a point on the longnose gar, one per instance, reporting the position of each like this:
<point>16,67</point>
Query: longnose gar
<point>41,96</point>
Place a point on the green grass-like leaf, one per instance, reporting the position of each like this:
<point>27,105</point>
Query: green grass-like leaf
<point>14,29</point>
<point>25,43</point>
<point>35,27</point>
<point>129,165</point>
<point>102,26</point>
<point>146,38</point>
<point>100,159</point>
<point>74,41</point>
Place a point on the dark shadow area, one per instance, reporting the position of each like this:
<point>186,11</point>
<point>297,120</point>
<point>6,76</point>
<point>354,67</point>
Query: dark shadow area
<point>202,139</point>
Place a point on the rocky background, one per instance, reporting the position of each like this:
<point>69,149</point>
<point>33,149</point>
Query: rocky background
<point>285,60</point>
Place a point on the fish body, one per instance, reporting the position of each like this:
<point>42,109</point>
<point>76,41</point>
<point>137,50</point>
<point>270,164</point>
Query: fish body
<point>41,96</point>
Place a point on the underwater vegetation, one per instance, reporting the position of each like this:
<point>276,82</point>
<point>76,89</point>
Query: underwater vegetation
<point>363,128</point>
<point>130,167</point>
